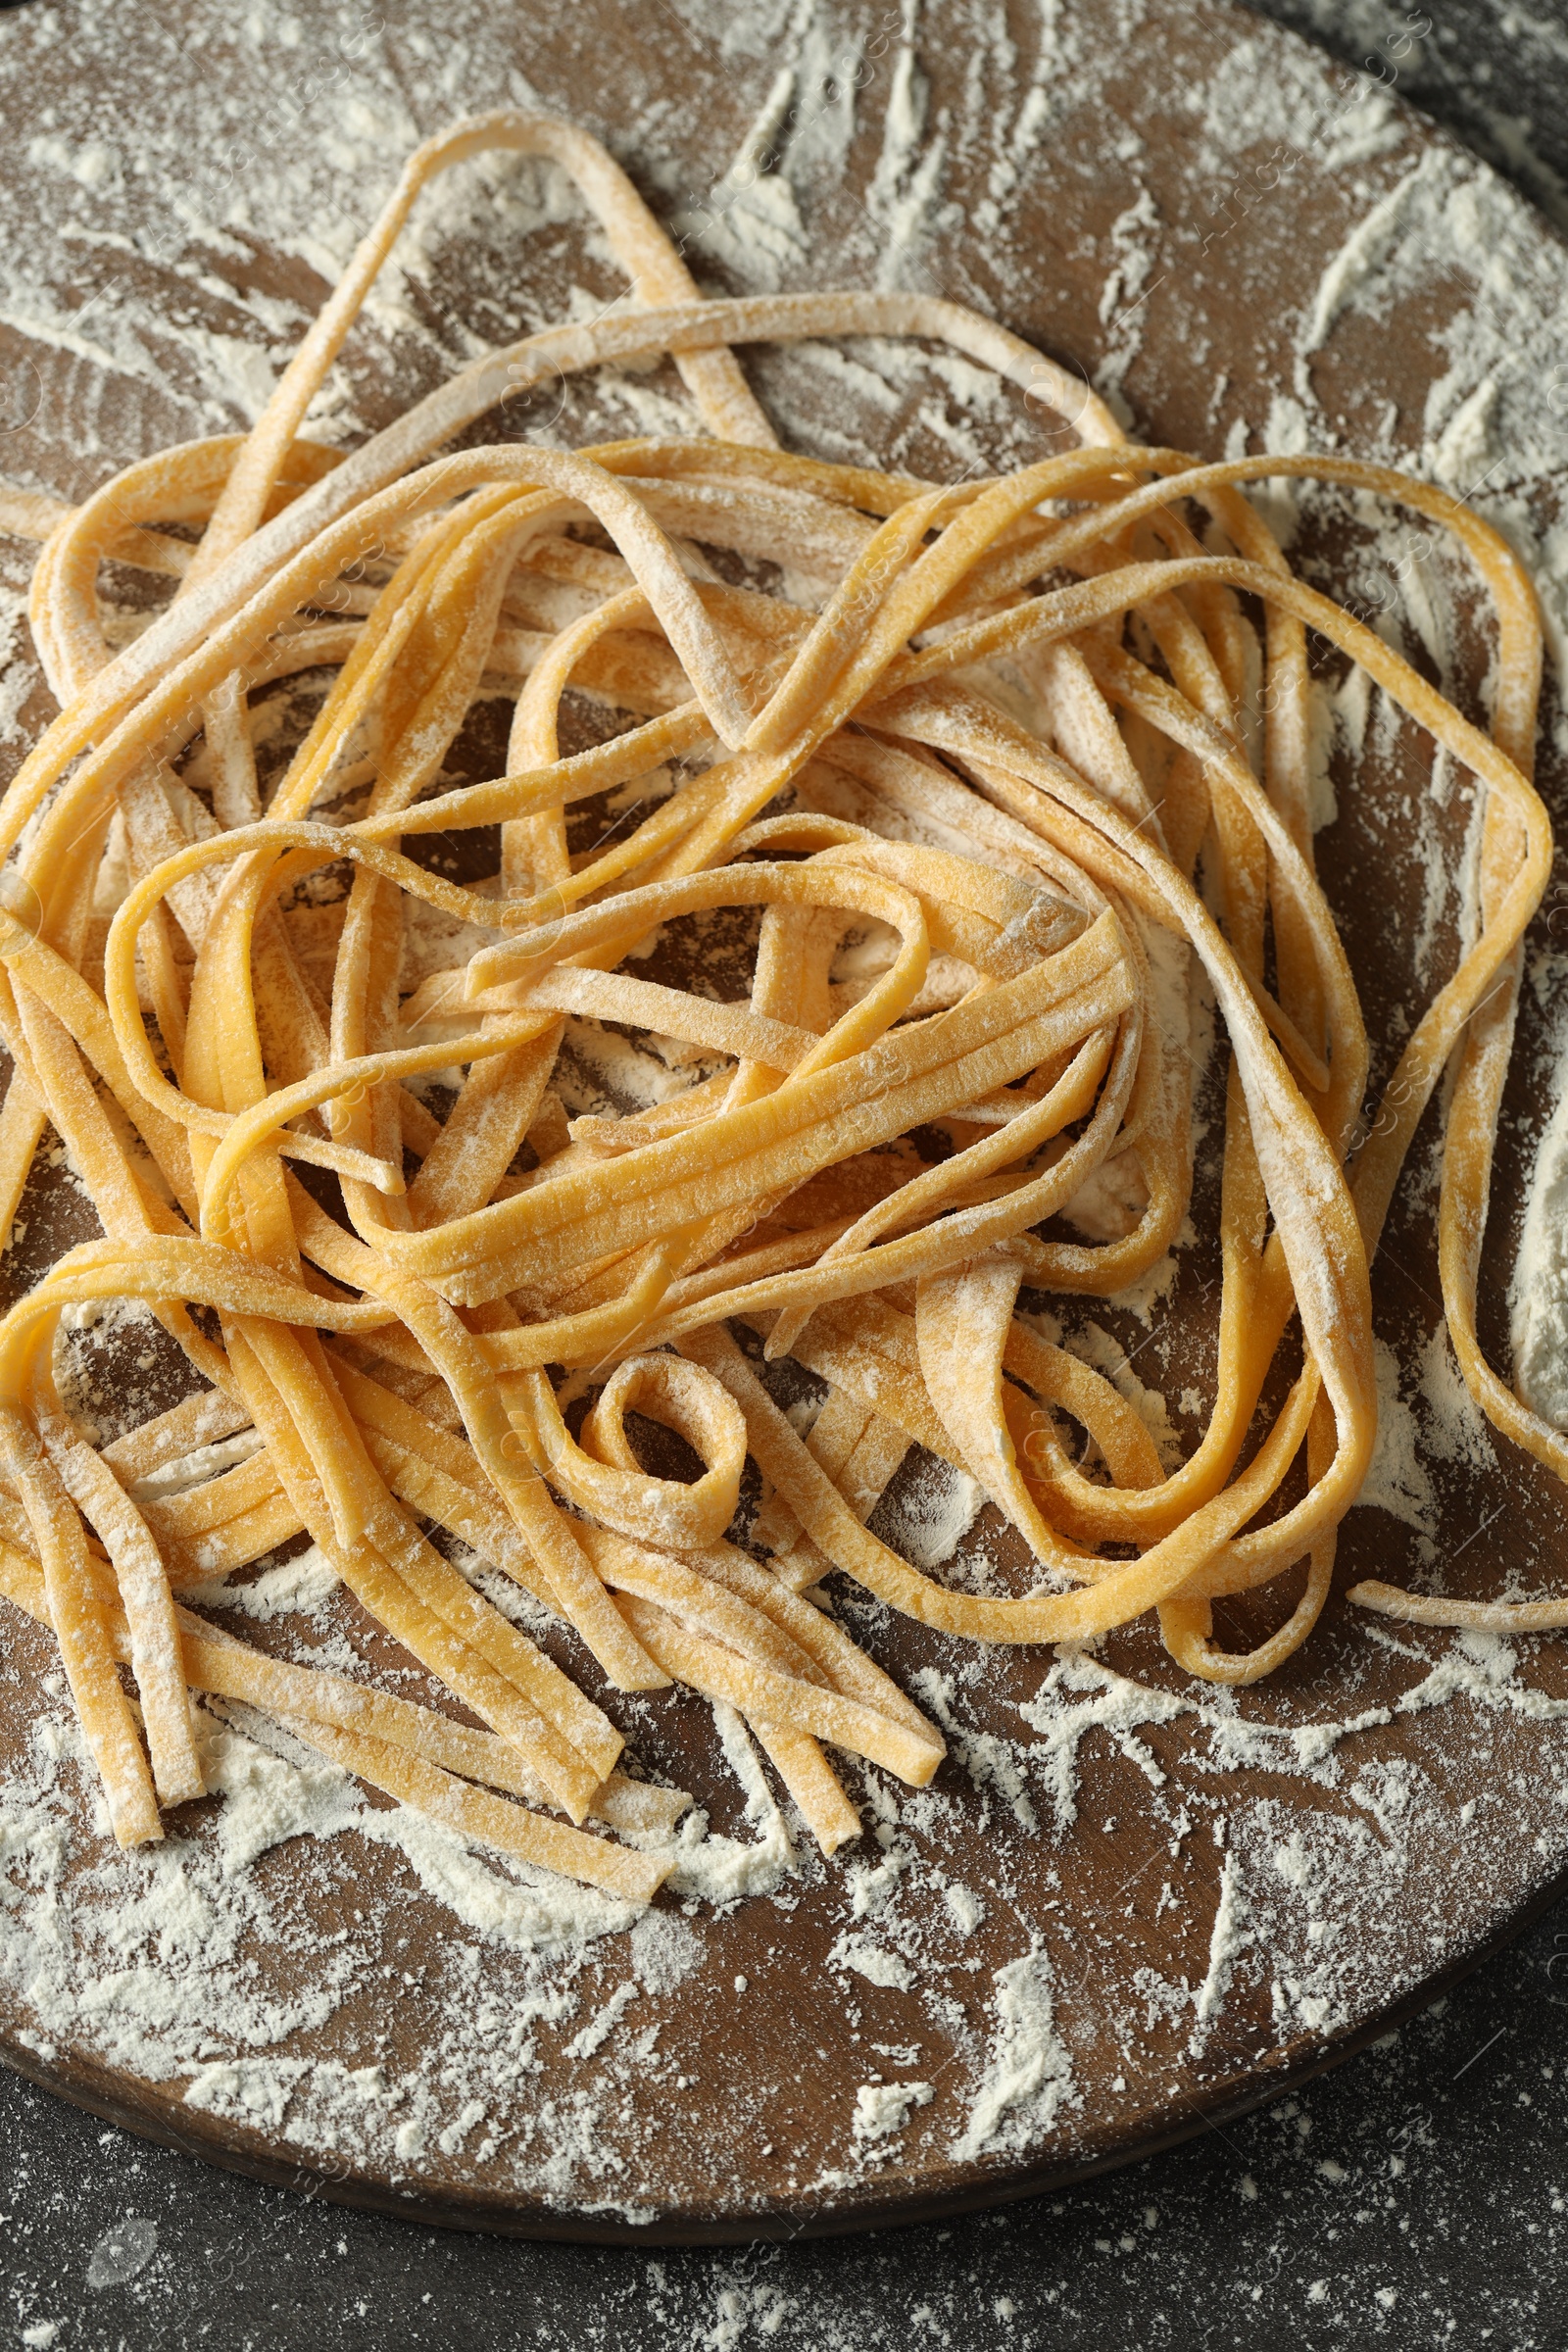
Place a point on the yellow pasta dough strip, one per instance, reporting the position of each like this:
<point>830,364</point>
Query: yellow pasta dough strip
<point>1035,883</point>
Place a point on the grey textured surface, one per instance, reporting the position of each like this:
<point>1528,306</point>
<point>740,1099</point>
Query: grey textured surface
<point>1495,75</point>
<point>1418,2197</point>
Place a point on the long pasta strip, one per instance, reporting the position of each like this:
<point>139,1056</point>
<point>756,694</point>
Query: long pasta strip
<point>921,737</point>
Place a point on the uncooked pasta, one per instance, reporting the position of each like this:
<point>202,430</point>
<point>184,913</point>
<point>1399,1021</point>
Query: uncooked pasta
<point>994,726</point>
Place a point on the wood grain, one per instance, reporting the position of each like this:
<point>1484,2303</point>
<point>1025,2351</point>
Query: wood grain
<point>760,2142</point>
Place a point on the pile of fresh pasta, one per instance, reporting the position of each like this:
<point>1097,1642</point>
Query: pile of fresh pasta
<point>993,727</point>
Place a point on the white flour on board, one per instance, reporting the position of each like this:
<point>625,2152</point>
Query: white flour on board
<point>1540,1326</point>
<point>158,335</point>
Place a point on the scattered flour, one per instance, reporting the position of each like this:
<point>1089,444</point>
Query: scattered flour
<point>151,1957</point>
<point>1398,1481</point>
<point>932,1510</point>
<point>297,1586</point>
<point>1228,1940</point>
<point>882,2109</point>
<point>872,1961</point>
<point>1540,1298</point>
<point>1029,2075</point>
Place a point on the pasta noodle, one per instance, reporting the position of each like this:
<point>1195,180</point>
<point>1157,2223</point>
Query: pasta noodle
<point>994,723</point>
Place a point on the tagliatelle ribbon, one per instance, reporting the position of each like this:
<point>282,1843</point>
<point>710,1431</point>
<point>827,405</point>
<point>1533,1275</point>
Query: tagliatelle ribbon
<point>991,727</point>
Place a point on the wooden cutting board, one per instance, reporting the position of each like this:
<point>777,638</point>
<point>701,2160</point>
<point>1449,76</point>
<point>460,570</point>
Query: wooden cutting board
<point>1128,1907</point>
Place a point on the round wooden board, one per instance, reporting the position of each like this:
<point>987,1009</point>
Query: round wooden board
<point>1142,1906</point>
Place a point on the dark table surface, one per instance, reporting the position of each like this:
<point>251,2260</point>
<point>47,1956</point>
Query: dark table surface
<point>1416,2197</point>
